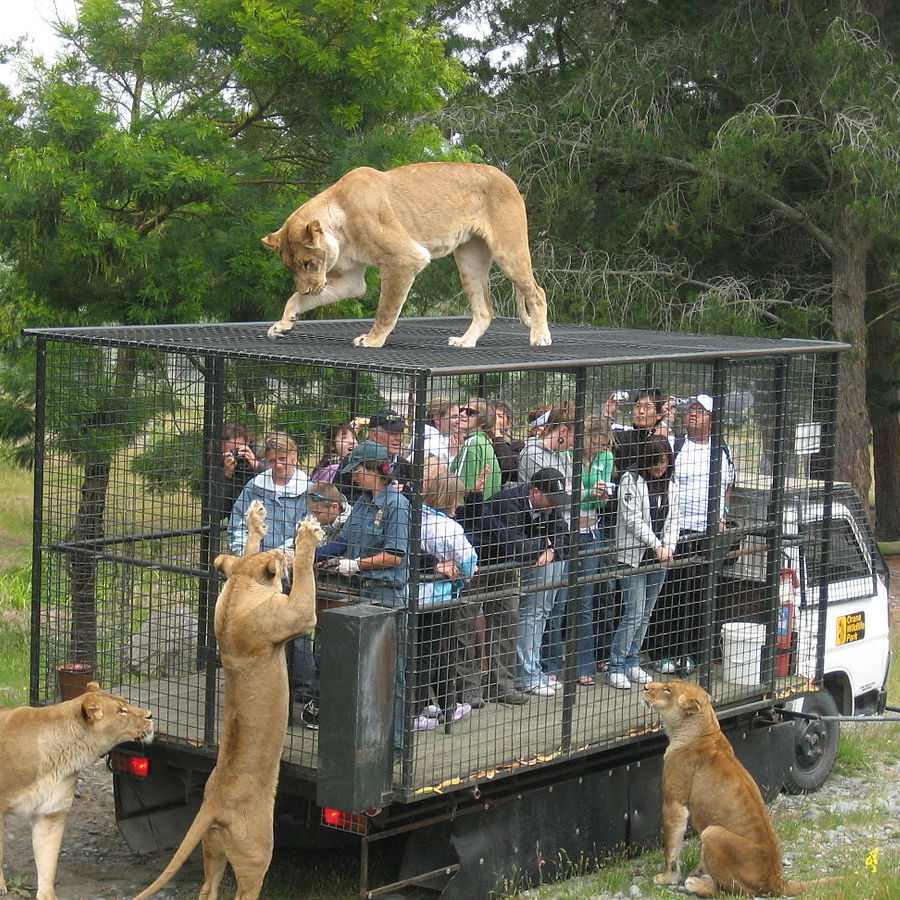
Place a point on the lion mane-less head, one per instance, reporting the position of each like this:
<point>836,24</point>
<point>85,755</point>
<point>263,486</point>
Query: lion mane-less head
<point>304,249</point>
<point>265,568</point>
<point>114,718</point>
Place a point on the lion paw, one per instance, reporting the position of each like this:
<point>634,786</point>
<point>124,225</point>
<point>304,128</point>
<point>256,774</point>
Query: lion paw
<point>310,532</point>
<point>541,340</point>
<point>366,340</point>
<point>666,878</point>
<point>702,887</point>
<point>256,517</point>
<point>279,329</point>
<point>460,342</point>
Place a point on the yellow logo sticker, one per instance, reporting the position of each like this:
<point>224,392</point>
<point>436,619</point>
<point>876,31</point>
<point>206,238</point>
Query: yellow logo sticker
<point>851,628</point>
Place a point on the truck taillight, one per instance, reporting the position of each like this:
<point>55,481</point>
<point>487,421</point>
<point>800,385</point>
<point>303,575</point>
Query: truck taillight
<point>336,818</point>
<point>129,764</point>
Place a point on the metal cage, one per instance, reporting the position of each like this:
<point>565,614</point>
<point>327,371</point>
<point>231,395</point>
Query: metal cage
<point>132,502</point>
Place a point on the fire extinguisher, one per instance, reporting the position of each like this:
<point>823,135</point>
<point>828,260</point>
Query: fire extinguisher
<point>787,596</point>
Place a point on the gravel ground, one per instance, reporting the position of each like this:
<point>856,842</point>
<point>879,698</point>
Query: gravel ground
<point>95,863</point>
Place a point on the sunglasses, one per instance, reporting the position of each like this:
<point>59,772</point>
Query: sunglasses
<point>318,498</point>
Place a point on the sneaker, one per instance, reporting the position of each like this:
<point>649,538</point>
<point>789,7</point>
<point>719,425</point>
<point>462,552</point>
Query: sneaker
<point>542,690</point>
<point>432,711</point>
<point>666,666</point>
<point>424,723</point>
<point>512,698</point>
<point>462,710</point>
<point>309,715</point>
<point>687,665</point>
<point>618,680</point>
<point>639,675</point>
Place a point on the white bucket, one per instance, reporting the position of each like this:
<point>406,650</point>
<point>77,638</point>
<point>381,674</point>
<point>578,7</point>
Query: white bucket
<point>741,646</point>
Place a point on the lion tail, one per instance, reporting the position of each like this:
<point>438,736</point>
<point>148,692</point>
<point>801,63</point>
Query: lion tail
<point>194,835</point>
<point>795,888</point>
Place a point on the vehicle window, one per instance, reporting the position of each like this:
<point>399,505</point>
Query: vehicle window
<point>846,557</point>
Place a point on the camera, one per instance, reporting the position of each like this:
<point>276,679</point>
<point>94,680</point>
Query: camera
<point>620,396</point>
<point>610,489</point>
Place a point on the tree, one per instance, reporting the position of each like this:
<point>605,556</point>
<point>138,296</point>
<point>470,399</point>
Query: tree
<point>748,159</point>
<point>140,170</point>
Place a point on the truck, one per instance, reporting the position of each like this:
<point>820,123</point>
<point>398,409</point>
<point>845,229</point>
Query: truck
<point>129,481</point>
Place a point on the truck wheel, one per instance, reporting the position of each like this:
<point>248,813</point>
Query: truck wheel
<point>815,745</point>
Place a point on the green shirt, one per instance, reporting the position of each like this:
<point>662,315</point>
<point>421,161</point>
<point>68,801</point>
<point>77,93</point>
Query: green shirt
<point>600,469</point>
<point>477,452</point>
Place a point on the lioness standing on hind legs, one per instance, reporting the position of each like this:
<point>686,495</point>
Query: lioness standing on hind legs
<point>703,780</point>
<point>399,221</point>
<point>253,622</point>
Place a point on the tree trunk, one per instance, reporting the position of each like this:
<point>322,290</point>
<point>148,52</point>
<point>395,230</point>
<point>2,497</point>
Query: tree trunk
<point>884,398</point>
<point>82,566</point>
<point>849,323</point>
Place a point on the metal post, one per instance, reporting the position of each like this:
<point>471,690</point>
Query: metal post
<point>40,405</point>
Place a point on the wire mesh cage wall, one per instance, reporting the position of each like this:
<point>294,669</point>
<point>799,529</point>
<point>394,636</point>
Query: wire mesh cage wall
<point>531,610</point>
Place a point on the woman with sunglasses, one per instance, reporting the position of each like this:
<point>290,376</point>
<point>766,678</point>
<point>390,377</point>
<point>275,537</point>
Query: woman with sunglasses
<point>476,463</point>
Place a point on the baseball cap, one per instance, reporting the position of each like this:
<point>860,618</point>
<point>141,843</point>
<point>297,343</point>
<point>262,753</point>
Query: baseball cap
<point>365,451</point>
<point>703,400</point>
<point>552,482</point>
<point>388,419</point>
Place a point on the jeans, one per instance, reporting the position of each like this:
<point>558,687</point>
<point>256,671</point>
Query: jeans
<point>639,594</point>
<point>592,646</point>
<point>535,607</point>
<point>306,664</point>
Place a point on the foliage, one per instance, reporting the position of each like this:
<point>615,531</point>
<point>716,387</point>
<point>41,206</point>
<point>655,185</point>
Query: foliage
<point>140,170</point>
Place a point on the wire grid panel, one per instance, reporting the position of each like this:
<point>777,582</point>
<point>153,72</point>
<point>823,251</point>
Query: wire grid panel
<point>550,565</point>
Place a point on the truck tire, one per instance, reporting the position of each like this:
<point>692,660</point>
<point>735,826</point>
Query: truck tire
<point>815,745</point>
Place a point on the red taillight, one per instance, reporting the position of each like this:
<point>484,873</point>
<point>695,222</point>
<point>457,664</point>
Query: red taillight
<point>127,764</point>
<point>336,818</point>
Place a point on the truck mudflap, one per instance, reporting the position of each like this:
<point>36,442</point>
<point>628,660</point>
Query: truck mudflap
<point>513,840</point>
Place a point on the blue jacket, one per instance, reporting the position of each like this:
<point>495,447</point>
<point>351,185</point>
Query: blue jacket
<point>285,507</point>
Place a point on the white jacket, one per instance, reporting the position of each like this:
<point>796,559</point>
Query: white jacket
<point>634,532</point>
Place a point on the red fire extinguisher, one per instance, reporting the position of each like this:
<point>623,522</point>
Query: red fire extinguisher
<point>787,598</point>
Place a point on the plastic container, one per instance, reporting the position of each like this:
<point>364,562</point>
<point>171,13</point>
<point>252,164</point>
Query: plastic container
<point>742,644</point>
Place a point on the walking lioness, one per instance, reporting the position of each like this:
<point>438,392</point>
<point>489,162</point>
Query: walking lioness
<point>42,749</point>
<point>703,780</point>
<point>253,622</point>
<point>399,221</point>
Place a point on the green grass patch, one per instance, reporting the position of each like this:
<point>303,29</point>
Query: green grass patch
<point>15,599</point>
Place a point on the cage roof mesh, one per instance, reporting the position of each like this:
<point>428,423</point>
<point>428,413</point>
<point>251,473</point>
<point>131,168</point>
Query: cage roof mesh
<point>420,344</point>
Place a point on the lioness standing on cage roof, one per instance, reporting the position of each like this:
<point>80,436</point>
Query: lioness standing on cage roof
<point>399,221</point>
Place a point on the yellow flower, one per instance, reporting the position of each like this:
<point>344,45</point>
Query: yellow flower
<point>872,860</point>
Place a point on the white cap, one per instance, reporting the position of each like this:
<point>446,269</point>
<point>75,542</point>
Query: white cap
<point>703,400</point>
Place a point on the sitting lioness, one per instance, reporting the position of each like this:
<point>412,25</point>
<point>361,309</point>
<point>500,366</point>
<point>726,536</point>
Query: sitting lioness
<point>399,221</point>
<point>42,749</point>
<point>703,780</point>
<point>253,622</point>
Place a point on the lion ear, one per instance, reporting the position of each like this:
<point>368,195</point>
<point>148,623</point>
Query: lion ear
<point>274,566</point>
<point>224,564</point>
<point>93,686</point>
<point>689,705</point>
<point>312,234</point>
<point>91,710</point>
<point>273,241</point>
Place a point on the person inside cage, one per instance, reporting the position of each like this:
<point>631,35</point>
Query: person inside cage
<point>647,411</point>
<point>442,434</point>
<point>596,599</point>
<point>371,551</point>
<point>552,449</point>
<point>386,428</point>
<point>240,463</point>
<point>448,561</point>
<point>339,440</point>
<point>331,510</point>
<point>281,487</point>
<point>524,525</point>
<point>647,527</point>
<point>675,633</point>
<point>475,461</point>
<point>506,447</point>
